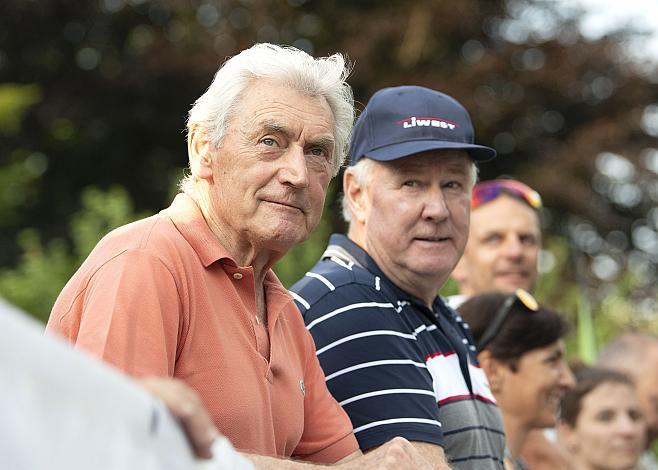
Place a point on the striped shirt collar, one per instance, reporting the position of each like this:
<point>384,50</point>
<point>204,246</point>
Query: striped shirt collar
<point>343,248</point>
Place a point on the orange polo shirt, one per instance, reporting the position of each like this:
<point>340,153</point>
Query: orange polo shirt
<point>162,297</point>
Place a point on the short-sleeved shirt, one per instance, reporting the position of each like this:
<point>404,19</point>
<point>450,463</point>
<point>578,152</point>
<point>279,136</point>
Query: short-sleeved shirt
<point>162,297</point>
<point>396,366</point>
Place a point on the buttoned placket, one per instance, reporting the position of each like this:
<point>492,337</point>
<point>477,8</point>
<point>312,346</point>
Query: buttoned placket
<point>260,333</point>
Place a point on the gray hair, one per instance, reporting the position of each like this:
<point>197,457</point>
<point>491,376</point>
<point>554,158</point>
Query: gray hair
<point>325,76</point>
<point>362,173</point>
<point>627,352</point>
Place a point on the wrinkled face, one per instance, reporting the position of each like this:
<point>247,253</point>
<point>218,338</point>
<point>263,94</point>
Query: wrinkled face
<point>414,213</point>
<point>502,250</point>
<point>532,393</point>
<point>271,170</point>
<point>610,430</point>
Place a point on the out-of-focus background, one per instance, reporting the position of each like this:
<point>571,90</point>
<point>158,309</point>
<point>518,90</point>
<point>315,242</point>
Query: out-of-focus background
<point>94,96</point>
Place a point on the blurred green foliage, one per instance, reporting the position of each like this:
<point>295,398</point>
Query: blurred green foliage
<point>44,268</point>
<point>15,99</point>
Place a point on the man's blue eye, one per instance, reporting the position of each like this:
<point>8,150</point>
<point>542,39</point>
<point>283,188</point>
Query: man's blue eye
<point>269,142</point>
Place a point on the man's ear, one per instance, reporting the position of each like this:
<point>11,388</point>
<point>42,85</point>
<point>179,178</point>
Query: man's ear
<point>493,369</point>
<point>355,195</point>
<point>199,152</point>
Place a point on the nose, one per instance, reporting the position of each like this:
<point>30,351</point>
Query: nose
<point>513,247</point>
<point>293,170</point>
<point>435,208</point>
<point>627,426</point>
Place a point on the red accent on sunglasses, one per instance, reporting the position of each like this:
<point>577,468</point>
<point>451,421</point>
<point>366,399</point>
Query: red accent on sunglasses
<point>487,191</point>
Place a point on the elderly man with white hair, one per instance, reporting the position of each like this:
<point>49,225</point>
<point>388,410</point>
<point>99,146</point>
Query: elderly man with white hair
<point>189,293</point>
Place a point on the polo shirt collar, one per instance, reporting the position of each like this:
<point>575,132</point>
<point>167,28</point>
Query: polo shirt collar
<point>189,221</point>
<point>344,248</point>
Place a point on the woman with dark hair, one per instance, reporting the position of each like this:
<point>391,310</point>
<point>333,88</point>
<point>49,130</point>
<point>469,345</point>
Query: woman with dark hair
<point>601,421</point>
<point>521,352</point>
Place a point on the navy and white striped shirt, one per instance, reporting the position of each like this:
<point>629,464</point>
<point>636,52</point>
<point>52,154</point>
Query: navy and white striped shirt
<point>397,367</point>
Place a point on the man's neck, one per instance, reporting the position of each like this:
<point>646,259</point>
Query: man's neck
<point>422,290</point>
<point>515,435</point>
<point>243,253</point>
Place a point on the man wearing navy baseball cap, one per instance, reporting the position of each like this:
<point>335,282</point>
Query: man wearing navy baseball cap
<point>399,361</point>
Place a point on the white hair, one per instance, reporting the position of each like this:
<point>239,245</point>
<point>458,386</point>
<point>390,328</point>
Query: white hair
<point>362,173</point>
<point>325,77</point>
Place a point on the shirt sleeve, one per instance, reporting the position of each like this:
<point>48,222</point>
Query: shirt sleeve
<point>128,314</point>
<point>327,436</point>
<point>373,366</point>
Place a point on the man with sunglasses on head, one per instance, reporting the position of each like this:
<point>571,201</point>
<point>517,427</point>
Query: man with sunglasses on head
<point>502,255</point>
<point>399,361</point>
<point>504,240</point>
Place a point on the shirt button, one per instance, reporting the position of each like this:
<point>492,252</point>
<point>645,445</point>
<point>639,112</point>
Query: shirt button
<point>237,276</point>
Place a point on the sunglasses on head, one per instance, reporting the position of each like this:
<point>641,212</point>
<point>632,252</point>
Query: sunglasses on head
<point>524,298</point>
<point>489,190</point>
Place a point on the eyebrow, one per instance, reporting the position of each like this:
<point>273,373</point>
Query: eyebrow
<point>458,167</point>
<point>558,354</point>
<point>323,142</point>
<point>275,127</point>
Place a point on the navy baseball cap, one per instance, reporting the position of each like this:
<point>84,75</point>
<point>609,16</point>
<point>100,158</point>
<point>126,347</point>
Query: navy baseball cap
<point>405,120</point>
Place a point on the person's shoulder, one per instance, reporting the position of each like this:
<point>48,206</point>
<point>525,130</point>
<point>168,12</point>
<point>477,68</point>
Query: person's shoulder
<point>155,234</point>
<point>156,229</point>
<point>153,238</point>
<point>334,282</point>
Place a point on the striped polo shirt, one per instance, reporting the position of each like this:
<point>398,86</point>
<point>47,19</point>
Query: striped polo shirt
<point>397,367</point>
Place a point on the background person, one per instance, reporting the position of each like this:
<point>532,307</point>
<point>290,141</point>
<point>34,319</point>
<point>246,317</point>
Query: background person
<point>399,361</point>
<point>601,421</point>
<point>521,351</point>
<point>504,240</point>
<point>636,355</point>
<point>502,255</point>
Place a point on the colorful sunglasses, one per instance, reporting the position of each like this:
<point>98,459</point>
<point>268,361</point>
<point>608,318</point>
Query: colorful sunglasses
<point>487,191</point>
<point>521,296</point>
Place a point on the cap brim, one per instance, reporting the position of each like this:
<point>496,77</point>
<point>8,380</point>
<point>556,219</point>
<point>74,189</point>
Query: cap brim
<point>478,153</point>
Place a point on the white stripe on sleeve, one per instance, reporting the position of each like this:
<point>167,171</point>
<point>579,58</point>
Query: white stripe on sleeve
<point>390,391</point>
<point>365,365</point>
<point>396,420</point>
<point>299,299</point>
<point>322,279</point>
<point>365,334</point>
<point>346,308</point>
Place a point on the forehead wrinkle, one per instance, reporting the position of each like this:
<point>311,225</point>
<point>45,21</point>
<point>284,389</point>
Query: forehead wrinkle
<point>275,126</point>
<point>455,163</point>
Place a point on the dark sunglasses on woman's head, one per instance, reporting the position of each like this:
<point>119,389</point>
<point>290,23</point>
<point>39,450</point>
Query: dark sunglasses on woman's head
<point>521,296</point>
